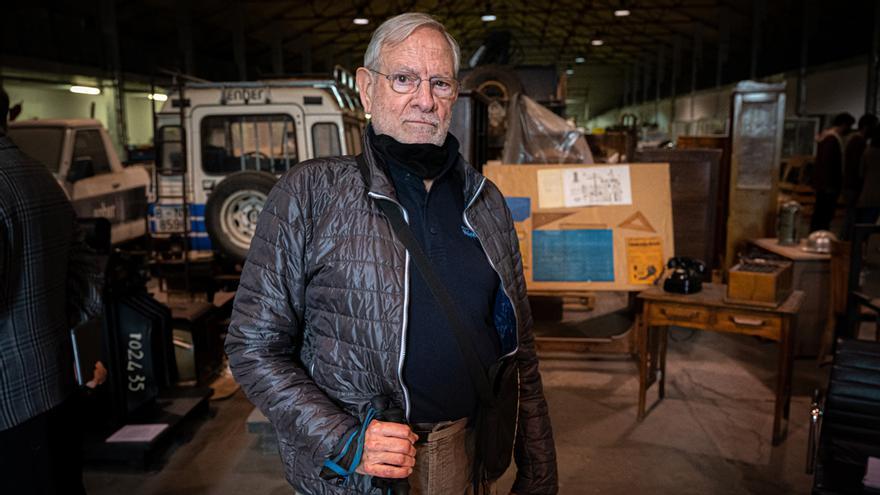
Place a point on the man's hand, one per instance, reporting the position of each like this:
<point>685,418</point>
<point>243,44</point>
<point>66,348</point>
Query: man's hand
<point>99,375</point>
<point>388,450</point>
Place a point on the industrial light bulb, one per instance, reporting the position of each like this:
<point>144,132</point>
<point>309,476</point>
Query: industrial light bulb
<point>85,90</point>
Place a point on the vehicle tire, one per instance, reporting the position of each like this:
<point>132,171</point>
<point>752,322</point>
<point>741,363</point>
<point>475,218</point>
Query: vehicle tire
<point>232,211</point>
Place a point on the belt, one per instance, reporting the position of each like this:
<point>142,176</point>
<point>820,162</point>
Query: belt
<point>424,430</point>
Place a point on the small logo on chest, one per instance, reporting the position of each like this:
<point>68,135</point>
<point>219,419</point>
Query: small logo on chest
<point>468,232</point>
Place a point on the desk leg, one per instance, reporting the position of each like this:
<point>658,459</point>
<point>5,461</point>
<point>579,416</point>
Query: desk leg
<point>783,383</point>
<point>663,336</point>
<point>642,337</point>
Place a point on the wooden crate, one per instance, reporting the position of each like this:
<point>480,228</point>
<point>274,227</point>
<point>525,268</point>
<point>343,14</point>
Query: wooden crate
<point>764,283</point>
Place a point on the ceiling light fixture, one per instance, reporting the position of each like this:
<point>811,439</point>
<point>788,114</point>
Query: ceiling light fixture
<point>597,42</point>
<point>569,70</point>
<point>361,21</point>
<point>85,90</point>
<point>157,97</point>
<point>621,12</point>
<point>488,13</point>
<point>579,60</point>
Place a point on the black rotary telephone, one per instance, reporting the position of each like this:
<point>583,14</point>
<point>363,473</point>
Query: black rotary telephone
<point>685,275</point>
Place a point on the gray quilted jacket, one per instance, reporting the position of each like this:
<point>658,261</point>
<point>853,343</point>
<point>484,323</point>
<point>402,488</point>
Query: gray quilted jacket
<point>319,321</point>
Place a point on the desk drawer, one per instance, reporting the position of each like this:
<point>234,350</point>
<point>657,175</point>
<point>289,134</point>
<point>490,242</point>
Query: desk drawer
<point>678,315</point>
<point>749,323</point>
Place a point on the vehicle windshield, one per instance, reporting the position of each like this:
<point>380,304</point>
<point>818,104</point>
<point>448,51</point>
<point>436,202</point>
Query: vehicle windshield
<point>40,143</point>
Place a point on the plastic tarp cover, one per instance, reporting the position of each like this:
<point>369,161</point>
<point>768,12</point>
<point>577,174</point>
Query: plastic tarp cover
<point>537,135</point>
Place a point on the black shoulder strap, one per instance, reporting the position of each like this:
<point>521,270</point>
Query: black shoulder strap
<point>438,290</point>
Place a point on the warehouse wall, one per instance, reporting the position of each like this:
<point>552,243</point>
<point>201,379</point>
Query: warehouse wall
<point>591,88</point>
<point>49,100</point>
<point>829,91</point>
<point>139,119</point>
<point>836,90</point>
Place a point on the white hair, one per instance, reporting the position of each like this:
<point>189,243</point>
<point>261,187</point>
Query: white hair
<point>397,29</point>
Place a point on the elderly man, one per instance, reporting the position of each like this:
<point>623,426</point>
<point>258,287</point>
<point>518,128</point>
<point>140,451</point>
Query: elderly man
<point>331,314</point>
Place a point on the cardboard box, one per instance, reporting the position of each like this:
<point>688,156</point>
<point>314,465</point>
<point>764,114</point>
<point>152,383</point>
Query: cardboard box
<point>589,227</point>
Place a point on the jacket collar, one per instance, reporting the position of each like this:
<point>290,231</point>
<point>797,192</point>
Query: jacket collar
<point>380,183</point>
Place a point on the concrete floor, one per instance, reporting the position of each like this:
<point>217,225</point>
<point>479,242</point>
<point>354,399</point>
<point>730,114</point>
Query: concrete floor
<point>711,435</point>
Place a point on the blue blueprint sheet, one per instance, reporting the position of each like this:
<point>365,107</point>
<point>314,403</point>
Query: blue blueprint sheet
<point>573,256</point>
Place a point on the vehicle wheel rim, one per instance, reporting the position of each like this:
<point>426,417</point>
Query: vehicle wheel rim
<point>239,214</point>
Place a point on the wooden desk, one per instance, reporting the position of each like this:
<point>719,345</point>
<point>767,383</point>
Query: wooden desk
<point>811,273</point>
<point>706,310</point>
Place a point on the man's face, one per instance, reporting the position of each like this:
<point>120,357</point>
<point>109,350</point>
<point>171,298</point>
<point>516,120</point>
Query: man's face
<point>418,117</point>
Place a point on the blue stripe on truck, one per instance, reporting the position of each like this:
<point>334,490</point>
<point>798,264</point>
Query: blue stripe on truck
<point>200,243</point>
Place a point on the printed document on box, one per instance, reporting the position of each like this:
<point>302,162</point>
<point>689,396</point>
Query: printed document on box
<point>550,193</point>
<point>597,186</point>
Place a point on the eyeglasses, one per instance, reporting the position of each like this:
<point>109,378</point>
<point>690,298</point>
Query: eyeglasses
<point>407,83</point>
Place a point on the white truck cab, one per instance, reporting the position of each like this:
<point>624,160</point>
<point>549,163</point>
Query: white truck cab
<point>80,155</point>
<point>220,148</point>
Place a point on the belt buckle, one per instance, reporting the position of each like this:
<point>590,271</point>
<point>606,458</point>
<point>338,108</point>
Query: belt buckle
<point>422,431</point>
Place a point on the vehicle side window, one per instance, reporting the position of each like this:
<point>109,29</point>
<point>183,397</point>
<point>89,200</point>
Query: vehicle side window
<point>41,143</point>
<point>88,145</point>
<point>231,143</point>
<point>325,139</point>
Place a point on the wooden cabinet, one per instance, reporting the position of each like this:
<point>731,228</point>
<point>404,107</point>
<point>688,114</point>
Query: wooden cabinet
<point>757,122</point>
<point>696,196</point>
<point>811,273</point>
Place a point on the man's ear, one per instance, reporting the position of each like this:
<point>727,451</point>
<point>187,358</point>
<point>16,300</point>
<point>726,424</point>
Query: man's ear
<point>365,88</point>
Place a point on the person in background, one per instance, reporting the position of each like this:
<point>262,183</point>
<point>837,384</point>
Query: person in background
<point>853,178</point>
<point>868,205</point>
<point>49,282</point>
<point>827,177</point>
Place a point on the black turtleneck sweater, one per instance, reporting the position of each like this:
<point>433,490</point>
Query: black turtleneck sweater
<point>434,371</point>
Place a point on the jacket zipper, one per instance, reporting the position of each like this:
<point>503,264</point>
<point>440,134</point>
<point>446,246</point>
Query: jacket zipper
<point>468,223</point>
<point>400,361</point>
<point>512,305</point>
